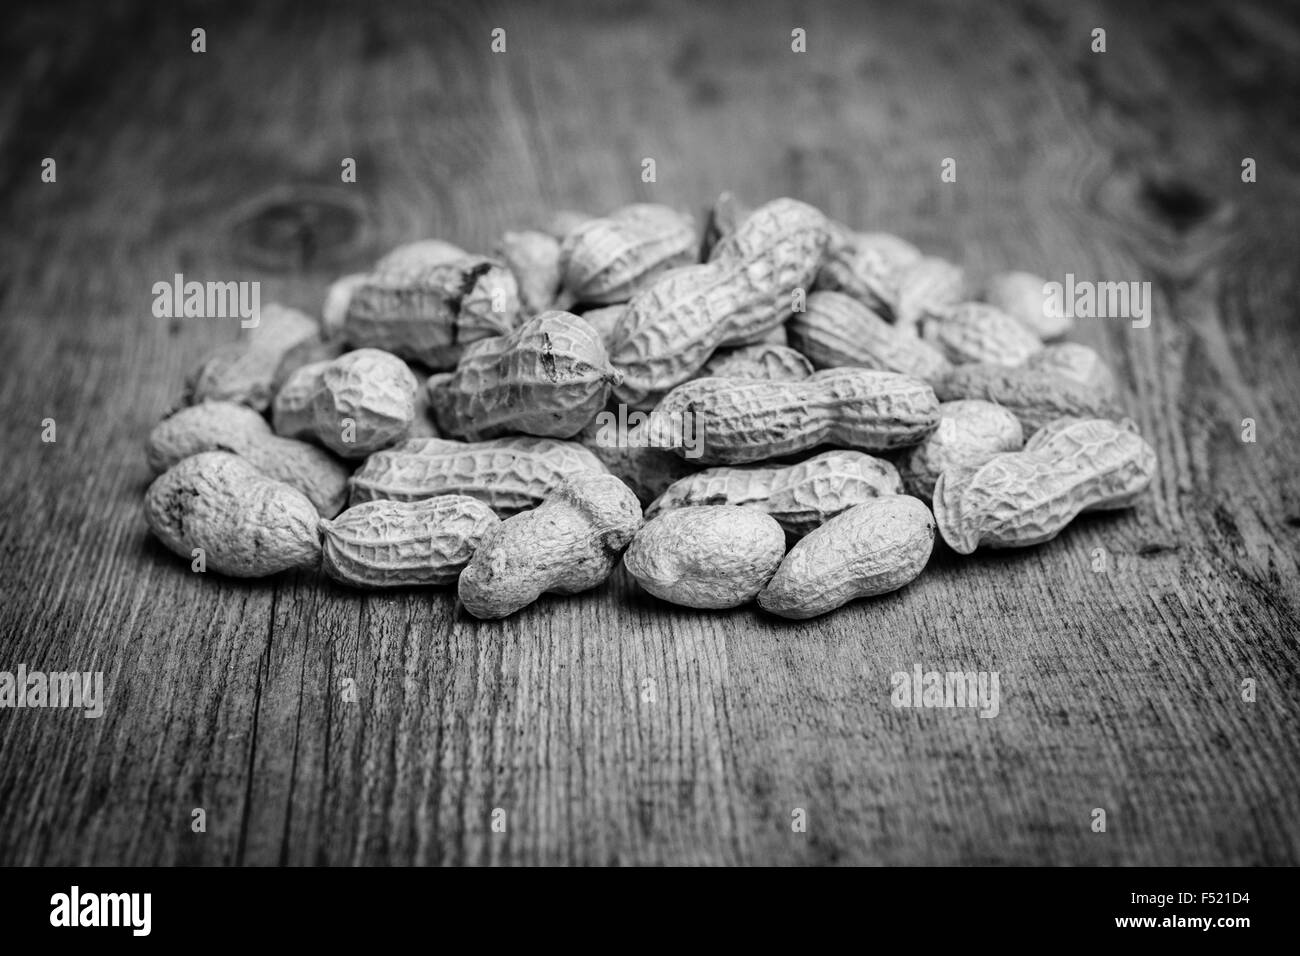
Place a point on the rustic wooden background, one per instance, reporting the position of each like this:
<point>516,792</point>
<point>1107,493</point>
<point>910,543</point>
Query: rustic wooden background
<point>1121,690</point>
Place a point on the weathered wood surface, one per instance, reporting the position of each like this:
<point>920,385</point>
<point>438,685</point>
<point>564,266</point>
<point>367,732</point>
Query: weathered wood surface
<point>1121,690</point>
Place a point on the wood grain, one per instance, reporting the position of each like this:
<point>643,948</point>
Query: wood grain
<point>1121,690</point>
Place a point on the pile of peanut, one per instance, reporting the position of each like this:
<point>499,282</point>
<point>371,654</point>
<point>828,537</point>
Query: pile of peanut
<point>847,396</point>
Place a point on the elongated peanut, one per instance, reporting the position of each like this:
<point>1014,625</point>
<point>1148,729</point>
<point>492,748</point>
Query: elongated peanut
<point>970,433</point>
<point>800,497</point>
<point>1035,396</point>
<point>978,332</point>
<point>612,258</point>
<point>744,291</point>
<point>569,543</point>
<point>733,421</point>
<point>836,331</point>
<point>924,286</point>
<point>249,371</point>
<point>226,426</point>
<point>534,258</point>
<point>431,315</point>
<point>605,321</point>
<point>549,377</point>
<point>388,544</point>
<point>354,405</point>
<point>874,548</point>
<point>1076,362</point>
<point>772,363</point>
<point>867,266</point>
<point>1024,498</point>
<point>507,474</point>
<point>1021,295</point>
<point>245,524</point>
<point>707,557</point>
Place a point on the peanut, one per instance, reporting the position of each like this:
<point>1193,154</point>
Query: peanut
<point>977,332</point>
<point>507,474</point>
<point>724,217</point>
<point>1021,296</point>
<point>873,548</point>
<point>928,284</point>
<point>1024,498</point>
<point>612,258</point>
<point>534,258</point>
<point>605,321</point>
<point>249,372</point>
<point>1078,363</point>
<point>570,543</point>
<point>866,266</point>
<point>226,426</point>
<point>430,315</point>
<point>549,377</point>
<point>836,330</point>
<point>335,309</point>
<point>413,259</point>
<point>354,405</point>
<point>772,363</point>
<point>800,497</point>
<point>707,557</point>
<point>1035,396</point>
<point>389,544</point>
<point>743,293</point>
<point>744,420</point>
<point>246,524</point>
<point>969,434</point>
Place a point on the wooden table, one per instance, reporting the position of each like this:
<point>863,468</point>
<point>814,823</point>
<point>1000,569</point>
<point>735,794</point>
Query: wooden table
<point>1121,690</point>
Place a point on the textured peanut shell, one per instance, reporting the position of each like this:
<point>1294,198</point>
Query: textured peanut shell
<point>866,266</point>
<point>800,497</point>
<point>549,377</point>
<point>1024,498</point>
<point>874,548</point>
<point>430,316</point>
<point>1020,295</point>
<point>1076,362</point>
<point>706,557</point>
<point>246,371</point>
<point>772,363</point>
<point>569,543</point>
<point>743,293</point>
<point>371,388</point>
<point>612,258</point>
<point>970,432</point>
<point>534,258</point>
<point>387,544</point>
<point>605,321</point>
<point>1035,396</point>
<point>507,474</point>
<point>978,332</point>
<point>247,524</point>
<point>747,420</point>
<point>226,426</point>
<point>836,330</point>
<point>925,286</point>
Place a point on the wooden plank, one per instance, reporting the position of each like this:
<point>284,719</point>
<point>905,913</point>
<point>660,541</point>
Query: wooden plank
<point>612,728</point>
